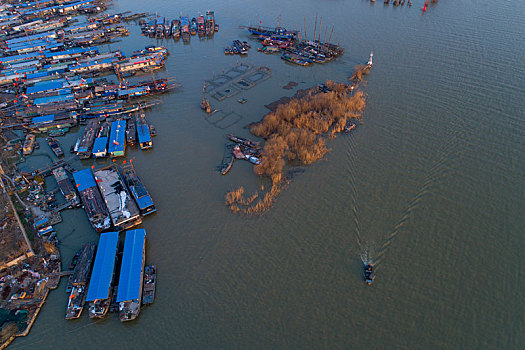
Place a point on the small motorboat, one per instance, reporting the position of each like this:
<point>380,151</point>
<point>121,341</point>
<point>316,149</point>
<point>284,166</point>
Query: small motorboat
<point>369,273</point>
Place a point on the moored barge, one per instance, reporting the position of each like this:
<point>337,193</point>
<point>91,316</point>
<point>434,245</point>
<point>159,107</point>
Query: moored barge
<point>66,186</point>
<point>79,280</point>
<point>55,147</point>
<point>92,200</point>
<point>138,190</point>
<point>129,294</point>
<point>122,209</point>
<point>117,139</point>
<point>86,141</point>
<point>100,146</point>
<point>99,292</point>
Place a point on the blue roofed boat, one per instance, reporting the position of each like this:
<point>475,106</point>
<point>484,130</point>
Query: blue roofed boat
<point>92,200</point>
<point>138,190</point>
<point>99,292</point>
<point>117,139</point>
<point>143,132</point>
<point>100,147</point>
<point>131,275</point>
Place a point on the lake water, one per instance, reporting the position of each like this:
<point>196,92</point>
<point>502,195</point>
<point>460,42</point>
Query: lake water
<point>431,186</point>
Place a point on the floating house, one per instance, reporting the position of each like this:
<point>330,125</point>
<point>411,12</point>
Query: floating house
<point>117,139</point>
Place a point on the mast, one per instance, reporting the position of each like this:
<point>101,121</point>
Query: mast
<point>320,21</point>
<point>305,37</point>
<point>315,27</point>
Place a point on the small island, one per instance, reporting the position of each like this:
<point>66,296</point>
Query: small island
<point>296,133</point>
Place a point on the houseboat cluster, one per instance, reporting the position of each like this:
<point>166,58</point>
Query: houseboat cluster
<point>180,28</point>
<point>55,75</point>
<point>237,48</point>
<point>110,278</point>
<point>240,149</point>
<point>113,197</point>
<point>292,47</point>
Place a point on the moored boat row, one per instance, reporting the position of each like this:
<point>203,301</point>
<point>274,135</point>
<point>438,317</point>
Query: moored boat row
<point>182,27</point>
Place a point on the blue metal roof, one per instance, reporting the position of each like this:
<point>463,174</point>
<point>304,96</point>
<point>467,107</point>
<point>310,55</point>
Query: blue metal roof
<point>102,273</point>
<point>52,85</point>
<point>43,119</point>
<point>37,75</point>
<point>92,63</point>
<point>53,99</point>
<point>143,199</point>
<point>39,36</point>
<point>27,56</point>
<point>84,179</point>
<point>130,280</point>
<point>100,145</point>
<point>135,91</point>
<point>143,133</point>
<point>117,137</point>
<point>71,51</point>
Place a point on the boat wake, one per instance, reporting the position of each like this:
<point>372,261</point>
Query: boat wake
<point>442,168</point>
<point>366,257</point>
<point>353,191</point>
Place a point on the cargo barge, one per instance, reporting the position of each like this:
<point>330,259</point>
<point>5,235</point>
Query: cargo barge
<point>55,147</point>
<point>138,190</point>
<point>79,280</point>
<point>122,209</point>
<point>66,186</point>
<point>92,200</point>
<point>131,132</point>
<point>129,294</point>
<point>99,292</point>
<point>86,141</point>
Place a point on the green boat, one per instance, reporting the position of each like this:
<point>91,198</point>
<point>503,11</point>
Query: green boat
<point>58,132</point>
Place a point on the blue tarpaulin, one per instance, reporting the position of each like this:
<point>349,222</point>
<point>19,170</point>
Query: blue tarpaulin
<point>102,273</point>
<point>130,281</point>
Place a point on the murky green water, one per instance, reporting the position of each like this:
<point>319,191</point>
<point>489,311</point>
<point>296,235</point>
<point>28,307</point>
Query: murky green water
<point>431,186</point>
